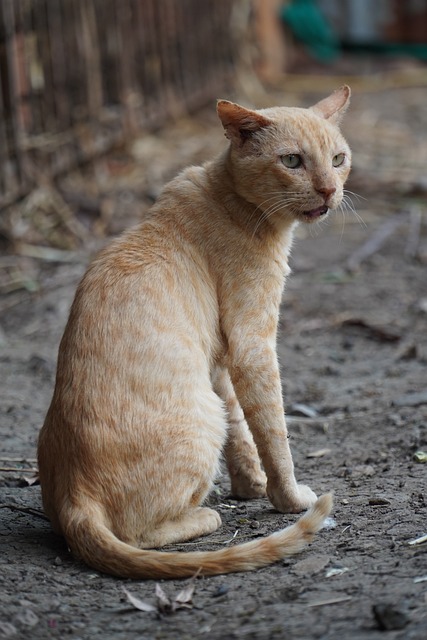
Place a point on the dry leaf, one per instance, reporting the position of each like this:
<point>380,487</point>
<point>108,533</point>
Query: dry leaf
<point>300,409</point>
<point>163,602</point>
<point>336,571</point>
<point>139,604</point>
<point>30,481</point>
<point>319,453</point>
<point>183,600</point>
<point>184,597</point>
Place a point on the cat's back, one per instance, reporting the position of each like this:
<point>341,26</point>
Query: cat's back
<point>151,285</point>
<point>162,238</point>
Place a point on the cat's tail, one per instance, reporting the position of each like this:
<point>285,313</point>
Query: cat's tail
<point>94,543</point>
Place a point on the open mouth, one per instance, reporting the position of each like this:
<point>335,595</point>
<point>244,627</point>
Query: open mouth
<point>316,213</point>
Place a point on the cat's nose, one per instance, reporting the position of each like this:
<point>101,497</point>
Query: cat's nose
<point>327,192</point>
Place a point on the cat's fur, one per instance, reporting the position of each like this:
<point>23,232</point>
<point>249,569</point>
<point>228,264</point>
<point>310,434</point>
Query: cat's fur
<point>170,353</point>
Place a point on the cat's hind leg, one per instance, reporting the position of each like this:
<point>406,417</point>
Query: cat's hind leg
<point>248,480</point>
<point>195,523</point>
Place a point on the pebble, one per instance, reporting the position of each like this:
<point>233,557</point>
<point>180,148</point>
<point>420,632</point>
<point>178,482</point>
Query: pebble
<point>413,399</point>
<point>221,590</point>
<point>378,502</point>
<point>310,566</point>
<point>27,618</point>
<point>389,616</point>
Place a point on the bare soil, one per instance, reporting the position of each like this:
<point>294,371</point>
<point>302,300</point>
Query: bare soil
<point>353,352</point>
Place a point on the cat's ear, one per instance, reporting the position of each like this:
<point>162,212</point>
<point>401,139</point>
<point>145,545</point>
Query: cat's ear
<point>240,123</point>
<point>334,106</point>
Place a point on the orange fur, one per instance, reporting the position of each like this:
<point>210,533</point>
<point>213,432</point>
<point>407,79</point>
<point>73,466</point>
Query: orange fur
<point>169,358</point>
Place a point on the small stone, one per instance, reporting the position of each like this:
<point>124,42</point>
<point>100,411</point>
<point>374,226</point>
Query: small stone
<point>389,617</point>
<point>413,399</point>
<point>221,590</point>
<point>408,352</point>
<point>25,603</point>
<point>289,594</point>
<point>311,565</point>
<point>27,618</point>
<point>40,365</point>
<point>378,502</point>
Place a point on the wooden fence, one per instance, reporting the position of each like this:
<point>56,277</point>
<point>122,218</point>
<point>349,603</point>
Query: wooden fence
<point>79,75</point>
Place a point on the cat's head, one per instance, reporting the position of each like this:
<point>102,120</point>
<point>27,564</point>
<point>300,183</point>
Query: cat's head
<point>290,162</point>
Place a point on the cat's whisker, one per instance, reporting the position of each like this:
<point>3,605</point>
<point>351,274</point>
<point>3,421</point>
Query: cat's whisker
<point>355,195</point>
<point>320,223</point>
<point>264,202</point>
<point>347,202</point>
<point>274,208</point>
<point>342,211</point>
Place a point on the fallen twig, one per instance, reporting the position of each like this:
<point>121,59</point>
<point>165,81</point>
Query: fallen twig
<point>22,460</point>
<point>326,601</point>
<point>18,469</point>
<point>377,331</point>
<point>419,540</point>
<point>29,510</point>
<point>232,537</point>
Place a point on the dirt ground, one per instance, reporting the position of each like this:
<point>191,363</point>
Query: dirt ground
<point>353,353</point>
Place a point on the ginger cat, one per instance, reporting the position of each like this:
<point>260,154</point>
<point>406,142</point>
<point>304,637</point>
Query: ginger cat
<point>168,358</point>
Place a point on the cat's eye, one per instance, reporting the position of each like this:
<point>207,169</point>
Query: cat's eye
<point>291,161</point>
<point>338,160</point>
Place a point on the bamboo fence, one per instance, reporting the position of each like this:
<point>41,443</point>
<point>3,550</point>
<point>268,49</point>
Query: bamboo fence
<point>79,75</point>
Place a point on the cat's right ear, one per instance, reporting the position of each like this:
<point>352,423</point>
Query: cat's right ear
<point>240,123</point>
<point>334,106</point>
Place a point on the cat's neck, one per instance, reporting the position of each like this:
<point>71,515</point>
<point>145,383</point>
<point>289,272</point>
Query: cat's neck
<point>250,217</point>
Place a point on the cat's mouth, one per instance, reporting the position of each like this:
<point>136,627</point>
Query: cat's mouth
<point>316,213</point>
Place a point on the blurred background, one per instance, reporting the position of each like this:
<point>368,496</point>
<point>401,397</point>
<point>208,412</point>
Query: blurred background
<point>102,101</point>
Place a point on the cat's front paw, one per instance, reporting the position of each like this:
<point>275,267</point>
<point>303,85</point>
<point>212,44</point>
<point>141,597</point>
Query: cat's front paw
<point>294,499</point>
<point>247,487</point>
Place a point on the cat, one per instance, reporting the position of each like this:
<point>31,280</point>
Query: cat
<point>169,357</point>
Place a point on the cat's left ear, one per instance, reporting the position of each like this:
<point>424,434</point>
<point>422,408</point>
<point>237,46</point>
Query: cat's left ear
<point>334,106</point>
<point>240,124</point>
